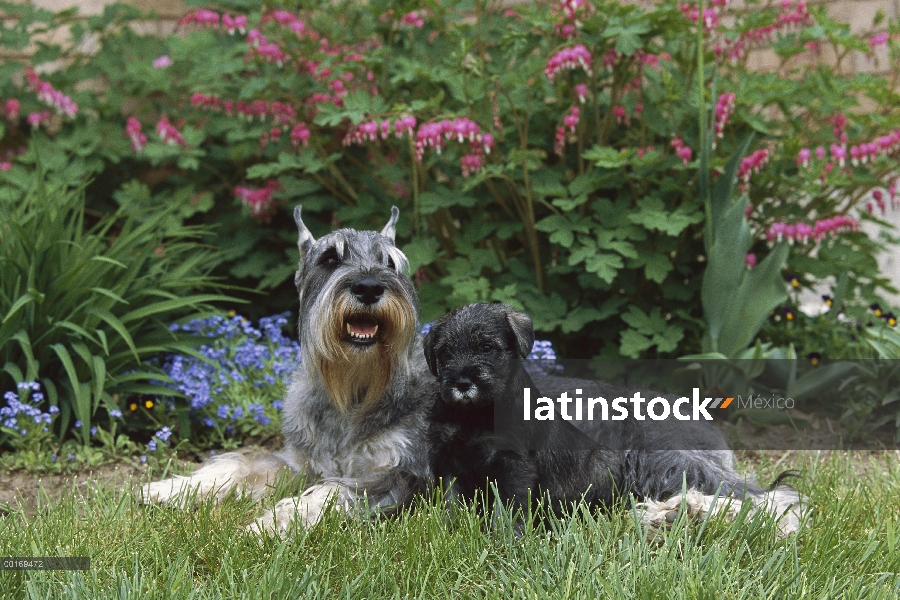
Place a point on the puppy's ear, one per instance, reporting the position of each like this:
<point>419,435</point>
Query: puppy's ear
<point>305,240</point>
<point>429,344</point>
<point>522,330</point>
<point>390,230</point>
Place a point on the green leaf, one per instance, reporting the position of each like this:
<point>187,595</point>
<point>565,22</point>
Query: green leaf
<point>170,305</point>
<point>421,251</point>
<point>627,30</point>
<point>109,260</point>
<point>77,329</point>
<point>357,106</point>
<point>633,343</point>
<point>99,379</point>
<point>32,366</point>
<point>605,265</point>
<point>704,356</point>
<point>667,340</point>
<point>110,294</point>
<point>16,373</point>
<point>641,321</point>
<point>431,202</point>
<point>592,181</point>
<point>545,182</point>
<point>295,187</point>
<point>825,377</point>
<point>567,204</point>
<point>276,275</point>
<point>577,318</point>
<point>649,330</point>
<point>606,157</point>
<point>114,322</point>
<point>82,404</point>
<point>17,305</point>
<point>736,301</point>
<point>606,241</point>
<point>287,161</point>
<point>656,267</point>
<point>562,227</point>
<point>533,158</point>
<point>723,193</point>
<point>653,214</point>
<point>580,253</point>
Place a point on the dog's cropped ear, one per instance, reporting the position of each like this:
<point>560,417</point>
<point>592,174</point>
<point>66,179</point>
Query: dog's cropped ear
<point>429,344</point>
<point>523,331</point>
<point>390,230</point>
<point>305,240</point>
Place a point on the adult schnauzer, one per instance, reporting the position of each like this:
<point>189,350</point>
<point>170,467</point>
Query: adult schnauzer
<point>478,433</point>
<point>354,414</point>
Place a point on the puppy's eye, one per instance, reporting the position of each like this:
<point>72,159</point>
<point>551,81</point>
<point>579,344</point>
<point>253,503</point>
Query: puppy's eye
<point>487,348</point>
<point>329,259</point>
<point>390,264</point>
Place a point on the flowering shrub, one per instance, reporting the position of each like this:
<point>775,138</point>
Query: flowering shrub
<point>23,424</point>
<point>547,155</point>
<point>235,387</point>
<point>84,305</point>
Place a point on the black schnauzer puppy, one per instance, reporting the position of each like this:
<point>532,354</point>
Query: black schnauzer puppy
<point>478,434</point>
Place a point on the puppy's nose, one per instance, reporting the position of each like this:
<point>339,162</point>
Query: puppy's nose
<point>463,384</point>
<point>367,291</point>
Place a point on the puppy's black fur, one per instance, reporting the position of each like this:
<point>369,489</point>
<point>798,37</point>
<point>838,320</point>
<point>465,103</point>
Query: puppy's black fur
<point>477,434</point>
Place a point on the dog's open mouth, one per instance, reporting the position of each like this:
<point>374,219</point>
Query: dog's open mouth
<point>362,331</point>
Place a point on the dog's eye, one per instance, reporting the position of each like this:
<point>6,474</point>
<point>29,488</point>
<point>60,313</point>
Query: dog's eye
<point>487,348</point>
<point>329,259</point>
<point>390,264</point>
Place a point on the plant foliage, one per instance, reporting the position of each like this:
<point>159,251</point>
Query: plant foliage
<point>84,305</point>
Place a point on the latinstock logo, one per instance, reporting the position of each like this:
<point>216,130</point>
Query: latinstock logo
<point>619,409</point>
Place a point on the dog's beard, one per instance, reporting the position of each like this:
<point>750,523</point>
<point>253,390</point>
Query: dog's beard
<point>359,373</point>
<point>469,396</point>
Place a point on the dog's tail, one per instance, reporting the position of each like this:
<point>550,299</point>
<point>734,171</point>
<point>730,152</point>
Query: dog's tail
<point>781,477</point>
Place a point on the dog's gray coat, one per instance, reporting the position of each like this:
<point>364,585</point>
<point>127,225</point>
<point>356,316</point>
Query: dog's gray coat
<point>355,410</point>
<point>477,434</point>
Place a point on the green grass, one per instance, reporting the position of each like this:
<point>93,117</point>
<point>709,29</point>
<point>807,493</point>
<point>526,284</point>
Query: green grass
<point>851,550</point>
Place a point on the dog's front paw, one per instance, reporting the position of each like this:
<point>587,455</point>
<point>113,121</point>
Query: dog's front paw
<point>278,520</point>
<point>316,500</point>
<point>309,508</point>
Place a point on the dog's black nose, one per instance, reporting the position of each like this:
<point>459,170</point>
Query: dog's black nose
<point>367,291</point>
<point>463,384</point>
